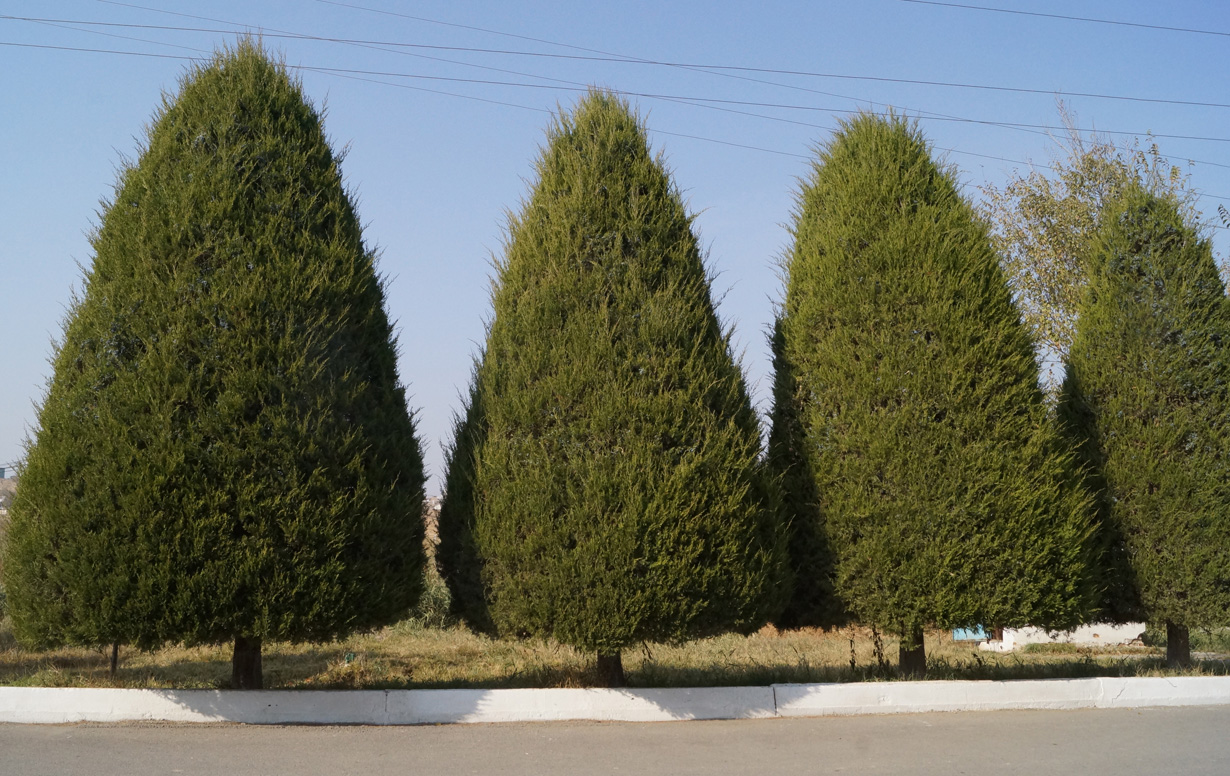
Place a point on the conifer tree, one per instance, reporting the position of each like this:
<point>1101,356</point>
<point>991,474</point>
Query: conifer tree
<point>1147,397</point>
<point>812,601</point>
<point>944,494</point>
<point>604,488</point>
<point>224,453</point>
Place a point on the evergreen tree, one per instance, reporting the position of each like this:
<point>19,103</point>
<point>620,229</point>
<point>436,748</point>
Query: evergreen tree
<point>224,453</point>
<point>604,488</point>
<point>1147,396</point>
<point>943,492</point>
<point>813,600</point>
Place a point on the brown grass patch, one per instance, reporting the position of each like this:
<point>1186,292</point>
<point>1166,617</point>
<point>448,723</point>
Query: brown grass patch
<point>410,656</point>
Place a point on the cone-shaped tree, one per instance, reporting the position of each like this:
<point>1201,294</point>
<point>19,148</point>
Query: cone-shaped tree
<point>224,453</point>
<point>945,496</point>
<point>1147,395</point>
<point>813,600</point>
<point>604,488</point>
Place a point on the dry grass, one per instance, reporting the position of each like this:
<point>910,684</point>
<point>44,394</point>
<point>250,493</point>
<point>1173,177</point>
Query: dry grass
<point>411,656</point>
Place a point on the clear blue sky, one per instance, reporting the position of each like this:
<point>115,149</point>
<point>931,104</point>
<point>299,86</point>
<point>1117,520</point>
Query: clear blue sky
<point>437,160</point>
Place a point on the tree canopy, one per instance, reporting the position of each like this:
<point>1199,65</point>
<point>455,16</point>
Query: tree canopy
<point>934,482</point>
<point>1147,398</point>
<point>605,488</point>
<point>224,452</point>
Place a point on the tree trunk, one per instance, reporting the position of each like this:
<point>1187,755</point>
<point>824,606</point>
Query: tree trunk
<point>912,656</point>
<point>1178,645</point>
<point>246,664</point>
<point>115,657</point>
<point>611,670</point>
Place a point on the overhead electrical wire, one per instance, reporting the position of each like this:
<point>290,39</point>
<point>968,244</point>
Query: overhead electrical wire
<point>472,97</point>
<point>616,58</point>
<point>610,57</point>
<point>647,95</point>
<point>356,74</point>
<point>70,26</point>
<point>622,58</point>
<point>1068,18</point>
<point>619,57</point>
<point>398,47</point>
<point>689,98</point>
<point>384,46</point>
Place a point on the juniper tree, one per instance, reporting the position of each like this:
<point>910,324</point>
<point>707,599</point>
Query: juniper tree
<point>224,453</point>
<point>944,494</point>
<point>604,488</point>
<point>812,601</point>
<point>1146,395</point>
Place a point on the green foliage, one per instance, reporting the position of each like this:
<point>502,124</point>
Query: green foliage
<point>224,449</point>
<point>1147,398</point>
<point>458,560</point>
<point>604,488</point>
<point>944,494</point>
<point>434,607</point>
<point>813,601</point>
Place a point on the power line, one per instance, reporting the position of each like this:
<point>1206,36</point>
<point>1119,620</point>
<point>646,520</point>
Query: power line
<point>712,100</point>
<point>548,112</point>
<point>104,51</point>
<point>397,46</point>
<point>356,75</point>
<point>756,104</point>
<point>514,105</point>
<point>607,56</point>
<point>713,140</point>
<point>624,58</point>
<point>344,73</point>
<point>1064,17</point>
<point>621,58</point>
<point>270,32</point>
<point>681,100</point>
<point>69,26</point>
<point>454,94</point>
<point>356,72</point>
<point>715,69</point>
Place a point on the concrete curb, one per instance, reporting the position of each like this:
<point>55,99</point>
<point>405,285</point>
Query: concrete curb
<point>814,700</point>
<point>52,705</point>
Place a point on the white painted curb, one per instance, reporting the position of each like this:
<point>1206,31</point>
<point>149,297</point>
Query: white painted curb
<point>35,705</point>
<point>814,700</point>
<point>381,707</point>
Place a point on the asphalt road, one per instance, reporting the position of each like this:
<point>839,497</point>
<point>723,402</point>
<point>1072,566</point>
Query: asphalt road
<point>1039,743</point>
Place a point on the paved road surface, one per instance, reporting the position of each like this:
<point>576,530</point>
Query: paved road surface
<point>1039,743</point>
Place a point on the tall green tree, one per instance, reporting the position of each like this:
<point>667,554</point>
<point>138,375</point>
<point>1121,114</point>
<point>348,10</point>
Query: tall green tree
<point>938,487</point>
<point>1147,397</point>
<point>605,488</point>
<point>813,601</point>
<point>224,453</point>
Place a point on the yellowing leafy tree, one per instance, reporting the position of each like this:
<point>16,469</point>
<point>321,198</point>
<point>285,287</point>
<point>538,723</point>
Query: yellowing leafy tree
<point>1044,223</point>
